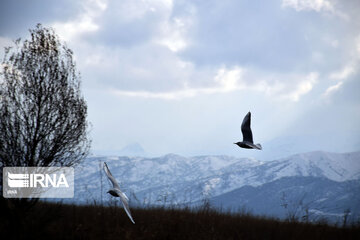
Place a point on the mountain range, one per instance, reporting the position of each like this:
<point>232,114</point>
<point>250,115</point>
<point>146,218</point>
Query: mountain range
<point>315,184</point>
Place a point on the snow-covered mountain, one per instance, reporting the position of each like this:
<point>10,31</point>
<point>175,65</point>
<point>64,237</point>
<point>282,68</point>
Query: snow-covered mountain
<point>333,166</point>
<point>306,198</point>
<point>285,146</point>
<point>177,180</point>
<point>133,149</point>
<point>150,178</point>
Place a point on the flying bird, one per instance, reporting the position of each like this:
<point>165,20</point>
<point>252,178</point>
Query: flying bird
<point>247,134</point>
<point>116,192</point>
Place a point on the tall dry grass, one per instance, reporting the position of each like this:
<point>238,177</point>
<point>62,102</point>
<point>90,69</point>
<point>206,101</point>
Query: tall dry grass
<point>60,221</point>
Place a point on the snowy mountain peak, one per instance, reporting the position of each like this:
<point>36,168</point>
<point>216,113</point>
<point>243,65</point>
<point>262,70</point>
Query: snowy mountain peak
<point>189,179</point>
<point>133,149</point>
<point>334,166</point>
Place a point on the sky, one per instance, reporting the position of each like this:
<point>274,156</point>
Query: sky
<point>179,76</point>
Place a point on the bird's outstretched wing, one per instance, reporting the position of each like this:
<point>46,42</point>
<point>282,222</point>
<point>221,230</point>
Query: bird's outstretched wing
<point>126,207</point>
<point>111,177</point>
<point>246,130</point>
<point>122,195</point>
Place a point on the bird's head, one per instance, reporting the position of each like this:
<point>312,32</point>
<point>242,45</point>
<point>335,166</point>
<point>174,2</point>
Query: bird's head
<point>112,192</point>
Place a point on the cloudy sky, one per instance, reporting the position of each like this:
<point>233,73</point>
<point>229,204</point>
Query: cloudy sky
<point>179,76</point>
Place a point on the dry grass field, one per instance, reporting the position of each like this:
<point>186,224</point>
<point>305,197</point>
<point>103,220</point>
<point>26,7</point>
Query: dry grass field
<point>60,221</point>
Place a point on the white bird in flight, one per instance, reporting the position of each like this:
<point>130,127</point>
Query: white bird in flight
<point>116,192</point>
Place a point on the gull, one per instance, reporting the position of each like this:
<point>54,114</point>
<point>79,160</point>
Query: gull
<point>116,192</point>
<point>247,135</point>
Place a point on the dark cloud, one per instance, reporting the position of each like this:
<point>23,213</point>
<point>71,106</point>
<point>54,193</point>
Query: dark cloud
<point>17,16</point>
<point>261,34</point>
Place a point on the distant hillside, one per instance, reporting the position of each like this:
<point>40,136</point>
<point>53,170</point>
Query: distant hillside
<point>308,198</point>
<point>180,181</point>
<point>134,149</point>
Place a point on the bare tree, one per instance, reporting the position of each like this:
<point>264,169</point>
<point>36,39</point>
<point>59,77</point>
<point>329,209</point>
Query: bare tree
<point>42,112</point>
<point>296,209</point>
